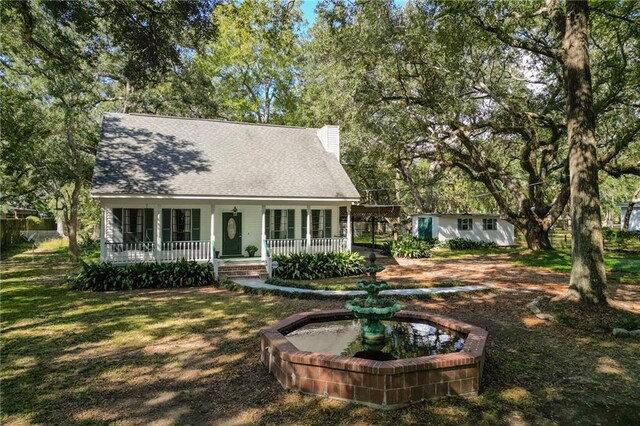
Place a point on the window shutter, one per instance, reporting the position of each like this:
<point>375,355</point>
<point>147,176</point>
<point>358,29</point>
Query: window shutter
<point>327,224</point>
<point>166,225</point>
<point>148,225</point>
<point>291,224</point>
<point>195,225</point>
<point>459,224</point>
<point>267,220</point>
<point>470,224</point>
<point>117,225</point>
<point>304,223</point>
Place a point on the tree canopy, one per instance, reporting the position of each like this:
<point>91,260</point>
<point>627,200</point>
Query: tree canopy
<point>443,105</point>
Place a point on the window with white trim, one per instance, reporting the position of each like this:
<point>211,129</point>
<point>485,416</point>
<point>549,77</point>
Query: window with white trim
<point>489,224</point>
<point>321,223</point>
<point>317,224</point>
<point>278,226</point>
<point>181,225</point>
<point>132,225</point>
<point>465,224</point>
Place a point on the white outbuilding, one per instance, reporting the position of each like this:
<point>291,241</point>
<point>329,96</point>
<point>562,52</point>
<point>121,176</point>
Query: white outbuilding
<point>476,227</point>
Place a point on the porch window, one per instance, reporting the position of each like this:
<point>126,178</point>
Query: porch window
<point>132,222</point>
<point>320,223</point>
<point>133,225</point>
<point>465,224</point>
<point>280,224</point>
<point>180,225</point>
<point>489,224</point>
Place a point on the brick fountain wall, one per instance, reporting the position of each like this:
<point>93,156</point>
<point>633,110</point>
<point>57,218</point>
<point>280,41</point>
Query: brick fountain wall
<point>382,384</point>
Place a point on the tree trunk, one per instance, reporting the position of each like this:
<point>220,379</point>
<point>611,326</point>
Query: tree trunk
<point>588,279</point>
<point>627,214</point>
<point>537,236</point>
<point>72,225</point>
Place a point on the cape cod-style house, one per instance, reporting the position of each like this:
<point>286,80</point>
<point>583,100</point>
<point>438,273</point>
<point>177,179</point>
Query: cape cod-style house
<point>205,190</point>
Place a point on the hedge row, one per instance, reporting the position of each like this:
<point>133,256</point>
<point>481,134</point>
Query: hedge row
<point>109,277</point>
<point>466,244</point>
<point>307,266</point>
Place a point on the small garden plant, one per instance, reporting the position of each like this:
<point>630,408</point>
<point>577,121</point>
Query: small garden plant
<point>409,247</point>
<point>251,250</point>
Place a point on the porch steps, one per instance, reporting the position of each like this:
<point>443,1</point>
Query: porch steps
<point>241,270</point>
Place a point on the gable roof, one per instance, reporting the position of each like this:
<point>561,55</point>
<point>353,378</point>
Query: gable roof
<point>147,155</point>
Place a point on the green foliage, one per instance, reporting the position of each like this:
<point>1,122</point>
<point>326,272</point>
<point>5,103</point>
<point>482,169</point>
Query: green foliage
<point>466,244</point>
<point>409,247</point>
<point>254,60</point>
<point>620,235</point>
<point>308,266</point>
<point>628,321</point>
<point>251,249</point>
<point>108,277</point>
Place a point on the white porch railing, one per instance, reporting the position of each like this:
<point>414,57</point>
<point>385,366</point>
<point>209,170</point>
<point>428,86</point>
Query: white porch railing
<point>147,252</point>
<point>328,245</point>
<point>299,245</point>
<point>129,252</point>
<point>293,246</point>
<point>190,250</point>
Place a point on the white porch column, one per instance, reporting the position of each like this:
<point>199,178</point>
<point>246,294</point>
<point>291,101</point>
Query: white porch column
<point>103,233</point>
<point>212,236</point>
<point>158,209</point>
<point>308,229</point>
<point>263,235</point>
<point>349,227</point>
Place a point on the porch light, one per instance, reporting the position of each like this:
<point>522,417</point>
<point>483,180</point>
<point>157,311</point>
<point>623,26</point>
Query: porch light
<point>235,211</point>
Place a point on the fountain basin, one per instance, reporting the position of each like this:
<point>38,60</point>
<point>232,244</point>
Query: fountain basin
<point>381,384</point>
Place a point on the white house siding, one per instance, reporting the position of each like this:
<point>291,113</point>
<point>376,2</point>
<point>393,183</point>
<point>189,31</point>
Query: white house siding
<point>634,220</point>
<point>445,227</point>
<point>251,218</point>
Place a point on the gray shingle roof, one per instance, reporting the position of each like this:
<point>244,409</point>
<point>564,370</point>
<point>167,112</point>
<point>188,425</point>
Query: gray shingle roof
<point>154,155</point>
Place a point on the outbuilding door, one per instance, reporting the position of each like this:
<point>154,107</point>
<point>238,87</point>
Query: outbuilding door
<point>424,228</point>
<point>232,234</point>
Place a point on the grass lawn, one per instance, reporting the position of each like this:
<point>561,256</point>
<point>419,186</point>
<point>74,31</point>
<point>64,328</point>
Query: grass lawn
<point>622,266</point>
<point>190,356</point>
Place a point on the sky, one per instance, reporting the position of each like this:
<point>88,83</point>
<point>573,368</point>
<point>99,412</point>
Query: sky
<point>308,13</point>
<point>308,7</point>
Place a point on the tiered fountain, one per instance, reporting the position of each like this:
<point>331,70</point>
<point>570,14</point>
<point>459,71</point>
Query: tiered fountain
<point>392,359</point>
<point>373,309</point>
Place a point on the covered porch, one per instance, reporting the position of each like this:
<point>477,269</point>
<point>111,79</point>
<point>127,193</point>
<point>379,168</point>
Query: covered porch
<point>136,231</point>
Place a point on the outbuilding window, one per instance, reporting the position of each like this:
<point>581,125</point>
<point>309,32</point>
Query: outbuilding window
<point>465,224</point>
<point>489,224</point>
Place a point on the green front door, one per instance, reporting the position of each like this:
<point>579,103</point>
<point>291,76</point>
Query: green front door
<point>232,234</point>
<point>424,228</point>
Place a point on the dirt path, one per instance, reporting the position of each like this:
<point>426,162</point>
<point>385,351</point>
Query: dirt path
<point>496,272</point>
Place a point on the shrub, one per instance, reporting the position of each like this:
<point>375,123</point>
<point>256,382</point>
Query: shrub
<point>307,266</point>
<point>409,247</point>
<point>109,277</point>
<point>619,234</point>
<point>466,244</point>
